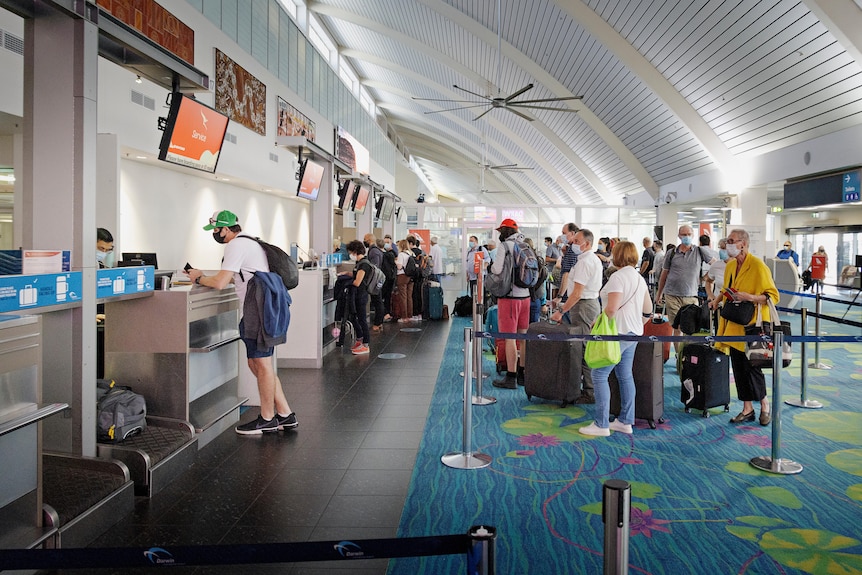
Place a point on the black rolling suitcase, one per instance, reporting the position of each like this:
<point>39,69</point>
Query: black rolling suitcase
<point>648,369</point>
<point>548,365</point>
<point>705,378</point>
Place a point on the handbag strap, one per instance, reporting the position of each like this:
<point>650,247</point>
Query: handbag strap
<point>759,322</point>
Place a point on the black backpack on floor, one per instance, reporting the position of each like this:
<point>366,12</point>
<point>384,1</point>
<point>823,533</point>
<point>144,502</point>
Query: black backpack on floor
<point>120,412</point>
<point>463,306</point>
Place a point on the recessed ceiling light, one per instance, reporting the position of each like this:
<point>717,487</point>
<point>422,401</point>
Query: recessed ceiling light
<point>141,157</point>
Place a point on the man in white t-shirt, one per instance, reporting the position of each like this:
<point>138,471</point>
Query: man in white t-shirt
<point>583,284</point>
<point>241,260</point>
<point>436,253</point>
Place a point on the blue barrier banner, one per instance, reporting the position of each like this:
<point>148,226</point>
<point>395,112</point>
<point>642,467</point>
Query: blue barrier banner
<point>123,281</point>
<point>21,293</point>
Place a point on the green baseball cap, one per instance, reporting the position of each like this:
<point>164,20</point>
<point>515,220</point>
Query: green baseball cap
<point>222,219</point>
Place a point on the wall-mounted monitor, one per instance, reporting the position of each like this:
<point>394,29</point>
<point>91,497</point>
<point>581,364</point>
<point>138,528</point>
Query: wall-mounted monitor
<point>360,199</point>
<point>345,194</point>
<point>388,208</point>
<point>193,135</point>
<point>310,177</point>
<point>399,214</point>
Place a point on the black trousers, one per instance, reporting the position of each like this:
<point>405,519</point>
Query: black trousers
<point>750,382</point>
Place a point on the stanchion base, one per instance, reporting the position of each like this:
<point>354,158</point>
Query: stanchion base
<point>819,366</point>
<point>780,466</point>
<point>466,460</point>
<point>483,400</point>
<point>484,375</point>
<point>808,403</point>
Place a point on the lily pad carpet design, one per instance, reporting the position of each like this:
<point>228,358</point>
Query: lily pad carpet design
<point>698,506</point>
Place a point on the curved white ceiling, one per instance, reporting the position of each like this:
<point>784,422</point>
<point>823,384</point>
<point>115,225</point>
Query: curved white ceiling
<point>670,89</point>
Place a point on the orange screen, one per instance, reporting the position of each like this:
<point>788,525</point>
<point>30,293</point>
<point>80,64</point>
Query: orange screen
<point>197,136</point>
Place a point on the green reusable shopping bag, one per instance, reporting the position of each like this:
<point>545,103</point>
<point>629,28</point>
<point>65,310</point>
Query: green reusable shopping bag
<point>602,353</point>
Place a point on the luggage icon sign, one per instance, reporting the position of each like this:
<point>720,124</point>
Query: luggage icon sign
<point>27,296</point>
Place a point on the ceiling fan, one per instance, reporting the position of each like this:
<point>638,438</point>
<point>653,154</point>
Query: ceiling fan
<point>509,102</point>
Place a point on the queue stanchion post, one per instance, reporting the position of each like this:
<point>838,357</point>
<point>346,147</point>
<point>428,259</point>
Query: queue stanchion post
<point>817,364</point>
<point>775,464</point>
<point>478,314</point>
<point>482,551</point>
<point>803,400</point>
<point>466,458</point>
<point>616,515</point>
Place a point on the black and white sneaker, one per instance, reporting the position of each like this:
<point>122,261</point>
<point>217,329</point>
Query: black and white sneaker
<point>258,427</point>
<point>286,422</point>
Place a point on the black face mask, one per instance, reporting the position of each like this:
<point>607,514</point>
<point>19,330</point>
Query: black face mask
<point>218,237</point>
<point>366,244</point>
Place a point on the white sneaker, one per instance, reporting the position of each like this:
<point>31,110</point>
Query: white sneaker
<point>593,429</point>
<point>617,425</point>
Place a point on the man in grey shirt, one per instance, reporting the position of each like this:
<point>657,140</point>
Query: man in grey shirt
<point>680,275</point>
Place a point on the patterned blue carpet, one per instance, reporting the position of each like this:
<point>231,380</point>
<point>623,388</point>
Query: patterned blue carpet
<point>697,504</point>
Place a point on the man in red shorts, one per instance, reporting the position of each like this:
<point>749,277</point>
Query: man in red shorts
<point>513,309</point>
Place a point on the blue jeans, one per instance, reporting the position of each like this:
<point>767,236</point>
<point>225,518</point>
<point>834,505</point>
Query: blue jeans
<point>627,387</point>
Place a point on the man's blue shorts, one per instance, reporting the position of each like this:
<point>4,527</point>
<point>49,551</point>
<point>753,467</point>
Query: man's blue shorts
<point>254,352</point>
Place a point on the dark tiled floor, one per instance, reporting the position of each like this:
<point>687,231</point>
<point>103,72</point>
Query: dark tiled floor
<point>342,474</point>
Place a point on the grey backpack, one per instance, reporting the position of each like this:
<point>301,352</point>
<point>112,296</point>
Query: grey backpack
<point>120,412</point>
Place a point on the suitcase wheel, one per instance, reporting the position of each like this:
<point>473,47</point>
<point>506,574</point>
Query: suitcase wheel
<point>726,408</point>
<point>651,424</point>
<point>705,413</point>
<point>688,410</point>
<point>661,420</point>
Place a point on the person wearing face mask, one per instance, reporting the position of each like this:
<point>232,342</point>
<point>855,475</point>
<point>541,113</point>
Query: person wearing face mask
<point>568,261</point>
<point>375,256</point>
<point>787,253</point>
<point>473,247</point>
<point>241,260</point>
<point>104,248</point>
<point>361,271</point>
<point>752,281</point>
<point>680,275</point>
<point>582,307</point>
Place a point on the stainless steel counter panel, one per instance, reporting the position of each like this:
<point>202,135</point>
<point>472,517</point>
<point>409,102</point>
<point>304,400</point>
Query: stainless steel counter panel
<point>180,349</point>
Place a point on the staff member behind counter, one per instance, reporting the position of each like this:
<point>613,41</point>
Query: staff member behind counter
<point>241,260</point>
<point>105,248</point>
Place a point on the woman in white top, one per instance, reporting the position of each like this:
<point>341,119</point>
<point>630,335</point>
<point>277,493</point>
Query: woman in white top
<point>626,299</point>
<point>403,281</point>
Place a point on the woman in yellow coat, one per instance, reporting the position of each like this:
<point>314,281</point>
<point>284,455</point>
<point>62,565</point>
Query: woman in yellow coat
<point>752,281</point>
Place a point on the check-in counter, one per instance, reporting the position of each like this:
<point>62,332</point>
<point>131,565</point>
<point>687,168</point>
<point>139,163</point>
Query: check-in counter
<point>181,350</point>
<point>312,317</point>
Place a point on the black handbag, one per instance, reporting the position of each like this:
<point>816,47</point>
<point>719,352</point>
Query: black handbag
<point>740,312</point>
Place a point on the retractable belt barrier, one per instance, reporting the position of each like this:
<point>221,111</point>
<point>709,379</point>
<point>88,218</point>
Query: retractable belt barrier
<point>478,544</point>
<point>663,338</point>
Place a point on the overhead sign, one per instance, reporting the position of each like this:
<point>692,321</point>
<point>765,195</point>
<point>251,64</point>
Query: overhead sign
<point>850,187</point>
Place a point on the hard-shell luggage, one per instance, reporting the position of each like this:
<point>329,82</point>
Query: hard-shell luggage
<point>548,365</point>
<point>661,327</point>
<point>434,297</point>
<point>705,378</point>
<point>648,370</point>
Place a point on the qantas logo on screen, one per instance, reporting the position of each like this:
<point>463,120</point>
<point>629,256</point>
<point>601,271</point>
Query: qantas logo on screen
<point>197,135</point>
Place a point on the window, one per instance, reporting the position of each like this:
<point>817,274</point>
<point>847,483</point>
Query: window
<point>289,7</point>
<point>320,39</point>
<point>348,77</point>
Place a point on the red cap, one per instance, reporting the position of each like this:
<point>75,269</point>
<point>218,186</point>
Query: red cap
<point>508,223</point>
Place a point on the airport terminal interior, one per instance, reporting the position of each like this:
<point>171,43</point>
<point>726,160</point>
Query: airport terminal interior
<point>319,122</point>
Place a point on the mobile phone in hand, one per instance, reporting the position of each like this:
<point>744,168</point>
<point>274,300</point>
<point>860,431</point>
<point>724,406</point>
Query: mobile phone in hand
<point>187,267</point>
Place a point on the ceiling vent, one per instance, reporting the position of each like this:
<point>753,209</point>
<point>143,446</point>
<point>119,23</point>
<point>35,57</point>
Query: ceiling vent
<point>143,100</point>
<point>12,43</point>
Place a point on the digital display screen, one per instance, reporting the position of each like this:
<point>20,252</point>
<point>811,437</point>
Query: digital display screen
<point>309,181</point>
<point>193,135</point>
<point>361,200</point>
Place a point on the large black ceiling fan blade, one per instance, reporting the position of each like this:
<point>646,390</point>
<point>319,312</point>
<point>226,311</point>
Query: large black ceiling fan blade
<point>511,97</point>
<point>512,109</point>
<point>471,92</point>
<point>547,100</point>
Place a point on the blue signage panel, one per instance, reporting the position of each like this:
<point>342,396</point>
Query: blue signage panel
<point>112,282</point>
<point>20,293</point>
<point>850,186</point>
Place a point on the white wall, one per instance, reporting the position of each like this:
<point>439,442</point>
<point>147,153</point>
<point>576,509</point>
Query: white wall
<point>164,210</point>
